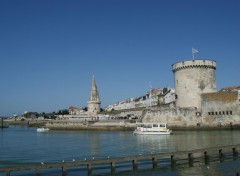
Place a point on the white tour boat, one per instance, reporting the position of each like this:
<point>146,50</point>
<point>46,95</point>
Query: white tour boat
<point>42,129</point>
<point>152,128</point>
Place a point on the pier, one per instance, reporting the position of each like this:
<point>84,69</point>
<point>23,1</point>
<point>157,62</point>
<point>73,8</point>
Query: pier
<point>192,156</point>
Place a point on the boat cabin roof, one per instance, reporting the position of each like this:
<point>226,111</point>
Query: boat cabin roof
<point>152,125</point>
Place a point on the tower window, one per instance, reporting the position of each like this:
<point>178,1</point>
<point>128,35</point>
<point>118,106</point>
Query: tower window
<point>176,96</point>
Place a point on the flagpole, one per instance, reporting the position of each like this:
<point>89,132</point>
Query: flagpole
<point>192,54</point>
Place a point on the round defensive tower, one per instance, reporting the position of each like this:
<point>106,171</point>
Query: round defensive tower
<point>191,79</point>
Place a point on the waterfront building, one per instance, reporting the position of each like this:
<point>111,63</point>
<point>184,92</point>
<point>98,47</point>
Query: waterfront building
<point>72,110</point>
<point>153,97</point>
<point>94,100</point>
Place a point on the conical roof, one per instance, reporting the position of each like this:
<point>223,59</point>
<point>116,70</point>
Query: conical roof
<point>94,95</point>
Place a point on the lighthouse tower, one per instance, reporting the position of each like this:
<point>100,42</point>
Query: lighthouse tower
<point>94,100</point>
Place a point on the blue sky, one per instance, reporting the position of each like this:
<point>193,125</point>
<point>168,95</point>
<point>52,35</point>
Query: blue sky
<point>49,49</point>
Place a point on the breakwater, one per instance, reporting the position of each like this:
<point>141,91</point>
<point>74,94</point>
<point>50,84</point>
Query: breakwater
<point>190,157</point>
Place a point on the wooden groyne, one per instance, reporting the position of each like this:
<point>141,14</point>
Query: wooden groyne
<point>205,155</point>
<point>2,124</point>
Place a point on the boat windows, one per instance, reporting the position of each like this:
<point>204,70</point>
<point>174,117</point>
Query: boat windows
<point>162,125</point>
<point>155,125</point>
<point>147,126</point>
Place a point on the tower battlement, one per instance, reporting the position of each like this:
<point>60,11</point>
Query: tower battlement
<point>190,64</point>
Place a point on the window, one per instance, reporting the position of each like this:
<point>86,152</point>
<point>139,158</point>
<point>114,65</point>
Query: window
<point>212,113</point>
<point>162,125</point>
<point>230,112</point>
<point>147,125</point>
<point>216,113</point>
<point>220,113</point>
<point>227,112</point>
<point>176,96</point>
<point>209,113</point>
<point>223,112</point>
<point>155,125</point>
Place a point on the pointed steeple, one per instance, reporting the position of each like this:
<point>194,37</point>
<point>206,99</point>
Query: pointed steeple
<point>94,96</point>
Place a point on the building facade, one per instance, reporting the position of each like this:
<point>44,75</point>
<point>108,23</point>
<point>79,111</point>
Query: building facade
<point>153,97</point>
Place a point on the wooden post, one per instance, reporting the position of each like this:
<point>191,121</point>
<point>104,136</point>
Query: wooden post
<point>89,167</point>
<point>206,158</point>
<point>2,121</point>
<point>8,173</point>
<point>154,162</point>
<point>135,164</point>
<point>37,172</point>
<point>235,153</point>
<point>64,171</point>
<point>221,155</point>
<point>113,167</point>
<point>173,161</point>
<point>190,159</point>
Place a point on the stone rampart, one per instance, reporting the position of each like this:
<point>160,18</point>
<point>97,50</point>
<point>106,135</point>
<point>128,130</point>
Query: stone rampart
<point>177,117</point>
<point>220,108</point>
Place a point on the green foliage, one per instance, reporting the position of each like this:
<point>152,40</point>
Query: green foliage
<point>63,112</point>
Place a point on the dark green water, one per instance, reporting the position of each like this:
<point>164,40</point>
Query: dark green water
<point>23,146</point>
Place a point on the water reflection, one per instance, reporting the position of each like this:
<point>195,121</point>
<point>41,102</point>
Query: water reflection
<point>153,143</point>
<point>185,140</point>
<point>94,145</point>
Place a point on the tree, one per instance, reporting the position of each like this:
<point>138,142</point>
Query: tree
<point>63,112</point>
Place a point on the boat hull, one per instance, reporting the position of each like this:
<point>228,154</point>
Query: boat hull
<point>152,133</point>
<point>42,129</point>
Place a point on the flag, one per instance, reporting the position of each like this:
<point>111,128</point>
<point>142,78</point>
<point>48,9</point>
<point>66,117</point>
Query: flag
<point>194,50</point>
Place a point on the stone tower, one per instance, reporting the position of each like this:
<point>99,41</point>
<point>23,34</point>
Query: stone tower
<point>94,100</point>
<point>192,78</point>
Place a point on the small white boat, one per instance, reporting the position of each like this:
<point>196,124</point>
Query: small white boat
<point>42,129</point>
<point>152,128</point>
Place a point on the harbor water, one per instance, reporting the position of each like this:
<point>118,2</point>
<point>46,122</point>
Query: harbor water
<point>20,145</point>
